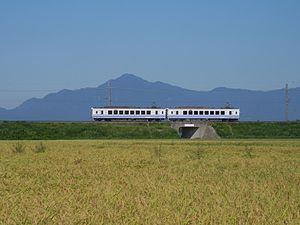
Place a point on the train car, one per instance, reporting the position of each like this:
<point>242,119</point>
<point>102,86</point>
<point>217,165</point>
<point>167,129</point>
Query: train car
<point>202,113</point>
<point>123,113</point>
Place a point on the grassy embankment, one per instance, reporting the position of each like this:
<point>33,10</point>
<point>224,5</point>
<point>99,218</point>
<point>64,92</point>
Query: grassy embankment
<point>84,130</point>
<point>163,130</point>
<point>150,182</point>
<point>278,130</point>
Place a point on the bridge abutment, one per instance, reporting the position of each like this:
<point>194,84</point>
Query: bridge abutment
<point>195,130</point>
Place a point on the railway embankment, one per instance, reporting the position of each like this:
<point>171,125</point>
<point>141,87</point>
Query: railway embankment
<point>25,130</point>
<point>252,130</point>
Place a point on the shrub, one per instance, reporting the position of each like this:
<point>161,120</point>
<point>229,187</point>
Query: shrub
<point>39,148</point>
<point>18,148</point>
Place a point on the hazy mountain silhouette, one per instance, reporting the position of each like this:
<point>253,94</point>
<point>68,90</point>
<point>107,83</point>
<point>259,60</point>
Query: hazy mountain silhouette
<point>2,110</point>
<point>131,90</point>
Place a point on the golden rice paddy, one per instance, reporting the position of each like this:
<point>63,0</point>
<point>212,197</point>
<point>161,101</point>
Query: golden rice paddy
<point>150,182</point>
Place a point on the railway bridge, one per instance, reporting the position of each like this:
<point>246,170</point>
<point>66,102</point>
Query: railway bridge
<point>195,130</point>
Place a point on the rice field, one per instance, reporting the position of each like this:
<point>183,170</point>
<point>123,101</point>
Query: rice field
<point>150,182</point>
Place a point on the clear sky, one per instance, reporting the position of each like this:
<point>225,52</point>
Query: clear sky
<point>46,46</point>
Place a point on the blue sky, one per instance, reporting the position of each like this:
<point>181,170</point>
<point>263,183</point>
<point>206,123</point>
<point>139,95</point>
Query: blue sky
<point>46,46</point>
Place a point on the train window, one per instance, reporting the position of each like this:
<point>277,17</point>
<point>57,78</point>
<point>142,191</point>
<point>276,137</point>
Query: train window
<point>121,112</point>
<point>217,112</point>
<point>184,112</point>
<point>109,112</point>
<point>177,112</point>
<point>162,112</point>
<point>156,112</point>
<point>230,112</point>
<point>126,112</point>
<point>101,111</point>
<point>172,112</point>
<point>190,112</point>
<point>96,112</point>
<point>222,112</point>
<point>201,112</point>
<point>206,112</point>
<point>212,113</point>
<point>236,113</point>
<point>148,112</point>
<point>131,112</point>
<point>195,112</point>
<point>115,112</point>
<point>143,112</point>
<point>137,112</point>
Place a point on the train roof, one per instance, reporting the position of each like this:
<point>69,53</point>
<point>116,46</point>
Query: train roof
<point>204,107</point>
<point>126,107</point>
<point>154,107</point>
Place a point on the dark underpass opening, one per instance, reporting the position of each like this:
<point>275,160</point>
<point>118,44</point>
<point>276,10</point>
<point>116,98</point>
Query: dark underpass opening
<point>187,132</point>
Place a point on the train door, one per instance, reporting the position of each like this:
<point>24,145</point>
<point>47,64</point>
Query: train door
<point>166,115</point>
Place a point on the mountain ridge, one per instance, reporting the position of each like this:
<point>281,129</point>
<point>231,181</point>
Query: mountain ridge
<point>129,89</point>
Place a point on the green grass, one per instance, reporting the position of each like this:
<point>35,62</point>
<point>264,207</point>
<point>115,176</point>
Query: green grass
<point>84,130</point>
<point>10,130</point>
<point>258,130</point>
<point>150,182</point>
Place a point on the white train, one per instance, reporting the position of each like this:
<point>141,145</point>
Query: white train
<point>114,113</point>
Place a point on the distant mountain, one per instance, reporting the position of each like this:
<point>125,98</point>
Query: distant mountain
<point>130,90</point>
<point>2,110</point>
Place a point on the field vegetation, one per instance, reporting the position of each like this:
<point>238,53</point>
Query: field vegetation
<point>150,182</point>
<point>252,130</point>
<point>26,130</point>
